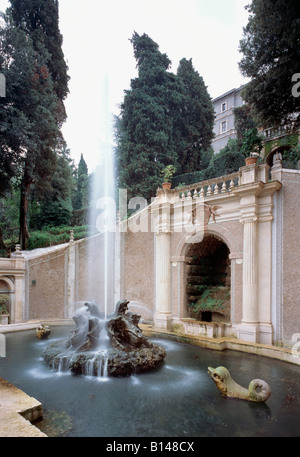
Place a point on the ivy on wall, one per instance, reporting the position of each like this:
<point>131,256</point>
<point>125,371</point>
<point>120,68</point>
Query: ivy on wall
<point>288,140</point>
<point>212,298</point>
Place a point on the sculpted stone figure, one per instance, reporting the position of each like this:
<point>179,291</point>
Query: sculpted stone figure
<point>123,329</point>
<point>88,327</point>
<point>129,351</point>
<point>209,212</point>
<point>43,331</point>
<point>258,390</point>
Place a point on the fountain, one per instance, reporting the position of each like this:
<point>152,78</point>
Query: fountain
<point>179,399</point>
<point>103,343</point>
<point>102,347</point>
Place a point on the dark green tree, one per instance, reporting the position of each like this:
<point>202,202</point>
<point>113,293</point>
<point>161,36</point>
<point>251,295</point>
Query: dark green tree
<point>146,141</point>
<point>81,191</point>
<point>165,119</point>
<point>30,104</point>
<point>40,20</point>
<point>56,206</point>
<point>9,218</point>
<point>16,64</point>
<point>252,142</point>
<point>243,121</point>
<point>271,49</point>
<point>195,120</point>
<point>35,93</point>
<point>227,161</point>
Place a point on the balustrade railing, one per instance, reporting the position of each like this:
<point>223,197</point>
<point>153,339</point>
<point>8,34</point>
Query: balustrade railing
<point>280,130</point>
<point>210,187</point>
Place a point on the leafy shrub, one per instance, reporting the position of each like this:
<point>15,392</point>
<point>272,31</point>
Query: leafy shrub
<point>213,298</point>
<point>39,240</point>
<point>224,163</point>
<point>188,178</point>
<point>3,303</point>
<point>50,236</point>
<point>57,213</point>
<point>291,157</point>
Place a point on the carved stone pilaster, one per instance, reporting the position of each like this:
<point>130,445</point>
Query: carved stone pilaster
<point>250,271</point>
<point>249,328</point>
<point>163,317</point>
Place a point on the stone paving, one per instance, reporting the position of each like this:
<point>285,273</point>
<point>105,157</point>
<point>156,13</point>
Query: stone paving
<point>17,411</point>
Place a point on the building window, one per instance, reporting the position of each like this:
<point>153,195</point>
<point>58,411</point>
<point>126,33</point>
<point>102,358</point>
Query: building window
<point>223,107</point>
<point>223,126</point>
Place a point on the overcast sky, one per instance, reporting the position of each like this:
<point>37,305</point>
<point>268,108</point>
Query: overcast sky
<point>100,57</point>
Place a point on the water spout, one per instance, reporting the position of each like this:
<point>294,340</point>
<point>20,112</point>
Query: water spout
<point>102,215</point>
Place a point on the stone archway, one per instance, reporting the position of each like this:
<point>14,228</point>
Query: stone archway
<point>208,280</point>
<point>277,149</point>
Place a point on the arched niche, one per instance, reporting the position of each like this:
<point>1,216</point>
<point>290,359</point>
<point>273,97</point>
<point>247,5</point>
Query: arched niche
<point>225,235</point>
<point>277,149</point>
<point>208,279</point>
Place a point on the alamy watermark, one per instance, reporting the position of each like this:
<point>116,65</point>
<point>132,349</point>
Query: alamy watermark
<point>296,87</point>
<point>188,215</point>
<point>2,85</point>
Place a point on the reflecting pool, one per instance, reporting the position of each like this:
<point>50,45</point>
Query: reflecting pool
<point>178,399</point>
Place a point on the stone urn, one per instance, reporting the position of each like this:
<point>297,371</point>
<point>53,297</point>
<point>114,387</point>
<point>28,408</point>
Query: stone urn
<point>166,185</point>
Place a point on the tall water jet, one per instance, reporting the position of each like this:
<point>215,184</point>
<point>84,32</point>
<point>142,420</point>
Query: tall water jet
<point>102,219</point>
<point>105,342</point>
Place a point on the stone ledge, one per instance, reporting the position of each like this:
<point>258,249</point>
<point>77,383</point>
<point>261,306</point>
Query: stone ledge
<point>33,324</point>
<point>17,411</point>
<point>221,344</point>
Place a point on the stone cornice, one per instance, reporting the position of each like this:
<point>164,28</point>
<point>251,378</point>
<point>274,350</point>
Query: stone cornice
<point>253,189</point>
<point>16,273</point>
<point>257,189</point>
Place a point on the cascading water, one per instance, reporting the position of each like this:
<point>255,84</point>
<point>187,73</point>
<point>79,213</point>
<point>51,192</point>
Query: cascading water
<point>103,348</point>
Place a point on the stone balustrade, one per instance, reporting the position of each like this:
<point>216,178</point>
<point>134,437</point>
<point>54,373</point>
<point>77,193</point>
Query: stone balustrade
<point>201,328</point>
<point>210,187</point>
<point>280,130</point>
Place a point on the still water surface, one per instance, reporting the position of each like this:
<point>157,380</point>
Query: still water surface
<point>179,399</point>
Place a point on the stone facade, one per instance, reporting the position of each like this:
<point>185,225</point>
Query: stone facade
<point>253,220</point>
<point>252,214</point>
<point>12,282</point>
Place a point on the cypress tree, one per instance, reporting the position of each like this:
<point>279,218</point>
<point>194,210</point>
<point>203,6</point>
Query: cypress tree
<point>165,119</point>
<point>146,122</point>
<point>271,56</point>
<point>37,85</point>
<point>80,199</point>
<point>40,20</point>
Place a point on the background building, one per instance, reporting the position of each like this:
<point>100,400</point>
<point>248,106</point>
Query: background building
<point>224,123</point>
